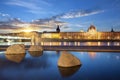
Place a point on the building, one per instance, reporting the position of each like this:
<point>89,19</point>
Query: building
<point>92,35</point>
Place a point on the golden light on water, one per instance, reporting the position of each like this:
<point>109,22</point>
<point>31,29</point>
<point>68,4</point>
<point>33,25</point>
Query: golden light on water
<point>99,43</point>
<point>92,54</point>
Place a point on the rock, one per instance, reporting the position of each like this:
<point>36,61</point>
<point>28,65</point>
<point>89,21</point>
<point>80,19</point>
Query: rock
<point>35,48</point>
<point>68,60</point>
<point>15,57</point>
<point>35,51</point>
<point>16,49</point>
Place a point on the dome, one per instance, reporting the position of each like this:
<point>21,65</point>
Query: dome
<point>91,28</point>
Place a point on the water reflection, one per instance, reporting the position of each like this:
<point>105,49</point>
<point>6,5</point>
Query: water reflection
<point>58,52</point>
<point>28,63</point>
<point>36,53</point>
<point>15,57</point>
<point>92,54</point>
<point>32,68</point>
<point>87,43</point>
<point>66,72</point>
<point>36,63</point>
<point>11,43</point>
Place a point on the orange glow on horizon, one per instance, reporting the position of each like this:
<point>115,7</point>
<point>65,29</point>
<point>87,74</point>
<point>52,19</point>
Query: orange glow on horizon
<point>27,31</point>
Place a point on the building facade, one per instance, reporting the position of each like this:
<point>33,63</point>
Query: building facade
<point>92,35</point>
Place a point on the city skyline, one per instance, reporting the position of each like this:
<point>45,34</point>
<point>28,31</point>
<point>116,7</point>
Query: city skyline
<point>45,15</point>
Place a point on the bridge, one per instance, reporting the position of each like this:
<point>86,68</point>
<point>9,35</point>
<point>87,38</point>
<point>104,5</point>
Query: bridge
<point>12,38</point>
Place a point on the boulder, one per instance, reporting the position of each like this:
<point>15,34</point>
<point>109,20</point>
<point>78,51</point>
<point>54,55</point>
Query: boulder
<point>68,60</point>
<point>35,51</point>
<point>16,49</point>
<point>35,48</point>
<point>15,57</point>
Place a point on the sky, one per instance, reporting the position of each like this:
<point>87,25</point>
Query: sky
<point>71,15</point>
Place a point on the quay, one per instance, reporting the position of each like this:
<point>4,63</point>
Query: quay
<point>76,48</point>
<point>83,48</point>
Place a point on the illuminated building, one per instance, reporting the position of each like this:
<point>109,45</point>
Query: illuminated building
<point>67,38</point>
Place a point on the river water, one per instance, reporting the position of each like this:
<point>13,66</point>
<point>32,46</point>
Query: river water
<point>95,66</point>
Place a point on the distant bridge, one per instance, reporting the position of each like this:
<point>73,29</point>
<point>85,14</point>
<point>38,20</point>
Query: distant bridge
<point>13,37</point>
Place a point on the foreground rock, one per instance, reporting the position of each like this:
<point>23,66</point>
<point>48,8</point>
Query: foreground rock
<point>35,51</point>
<point>15,57</point>
<point>16,49</point>
<point>15,53</point>
<point>68,60</point>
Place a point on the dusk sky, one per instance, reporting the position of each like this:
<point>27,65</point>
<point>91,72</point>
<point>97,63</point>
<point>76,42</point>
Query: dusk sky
<point>71,15</point>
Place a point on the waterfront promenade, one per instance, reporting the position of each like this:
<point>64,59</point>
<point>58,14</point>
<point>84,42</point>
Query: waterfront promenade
<point>83,48</point>
<point>75,48</point>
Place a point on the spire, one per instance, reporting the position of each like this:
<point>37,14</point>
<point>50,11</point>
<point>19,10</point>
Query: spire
<point>58,28</point>
<point>112,30</point>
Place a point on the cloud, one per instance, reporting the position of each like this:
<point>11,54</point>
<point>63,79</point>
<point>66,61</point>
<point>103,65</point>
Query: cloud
<point>23,4</point>
<point>9,24</point>
<point>33,6</point>
<point>2,14</point>
<point>4,17</point>
<point>48,21</point>
<point>48,24</point>
<point>76,14</point>
<point>44,24</point>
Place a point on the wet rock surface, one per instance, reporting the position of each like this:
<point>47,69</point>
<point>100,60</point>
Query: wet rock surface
<point>68,60</point>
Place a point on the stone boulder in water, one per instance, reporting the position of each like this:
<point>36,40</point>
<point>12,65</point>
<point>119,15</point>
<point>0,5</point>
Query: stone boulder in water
<point>15,57</point>
<point>15,53</point>
<point>16,49</point>
<point>35,50</point>
<point>68,60</point>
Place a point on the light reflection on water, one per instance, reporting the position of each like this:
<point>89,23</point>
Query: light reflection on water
<point>11,43</point>
<point>68,43</point>
<point>95,66</point>
<point>81,43</point>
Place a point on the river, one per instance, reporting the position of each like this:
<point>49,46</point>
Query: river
<point>95,66</point>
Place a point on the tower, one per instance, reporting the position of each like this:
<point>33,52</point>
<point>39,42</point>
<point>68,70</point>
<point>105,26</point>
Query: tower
<point>58,29</point>
<point>112,30</point>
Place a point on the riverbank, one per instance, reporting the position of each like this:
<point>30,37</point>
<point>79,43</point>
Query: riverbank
<point>84,48</point>
<point>75,48</point>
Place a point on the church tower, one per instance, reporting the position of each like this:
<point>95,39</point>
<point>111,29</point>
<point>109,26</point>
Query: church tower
<point>58,29</point>
<point>112,30</point>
